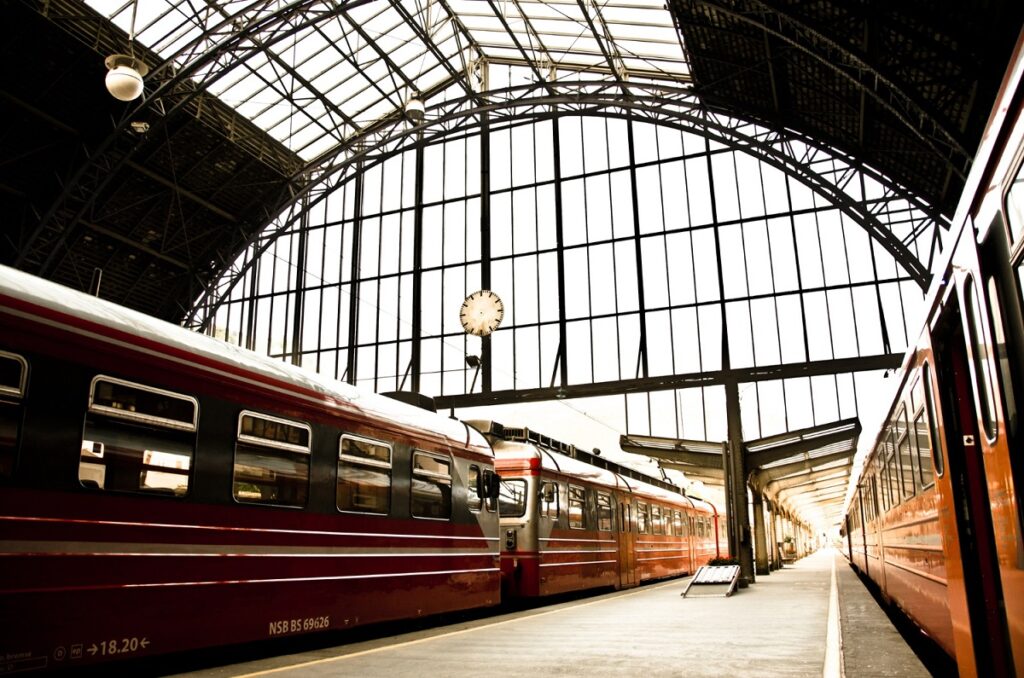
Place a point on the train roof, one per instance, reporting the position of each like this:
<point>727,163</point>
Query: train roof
<point>309,386</point>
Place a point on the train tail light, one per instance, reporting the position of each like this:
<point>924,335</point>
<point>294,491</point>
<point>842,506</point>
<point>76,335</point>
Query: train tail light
<point>510,540</point>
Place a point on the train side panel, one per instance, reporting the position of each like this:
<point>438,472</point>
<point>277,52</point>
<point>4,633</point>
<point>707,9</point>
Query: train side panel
<point>109,556</point>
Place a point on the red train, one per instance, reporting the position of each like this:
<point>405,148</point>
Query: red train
<point>162,491</point>
<point>936,518</point>
<point>571,520</point>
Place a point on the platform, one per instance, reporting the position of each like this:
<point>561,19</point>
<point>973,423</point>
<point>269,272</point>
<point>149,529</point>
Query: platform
<point>778,627</point>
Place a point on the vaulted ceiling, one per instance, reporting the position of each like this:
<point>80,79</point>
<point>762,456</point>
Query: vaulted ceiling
<point>246,100</point>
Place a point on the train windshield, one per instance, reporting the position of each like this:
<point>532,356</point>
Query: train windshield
<point>512,499</point>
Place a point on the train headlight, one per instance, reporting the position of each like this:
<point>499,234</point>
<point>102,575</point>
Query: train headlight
<point>510,540</point>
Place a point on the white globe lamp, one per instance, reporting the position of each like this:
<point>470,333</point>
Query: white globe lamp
<point>124,76</point>
<point>415,109</point>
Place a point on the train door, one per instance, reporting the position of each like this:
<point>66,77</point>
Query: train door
<point>976,596</point>
<point>626,543</point>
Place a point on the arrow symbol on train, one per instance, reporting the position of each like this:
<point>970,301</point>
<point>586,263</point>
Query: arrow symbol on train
<point>143,643</point>
<point>92,650</point>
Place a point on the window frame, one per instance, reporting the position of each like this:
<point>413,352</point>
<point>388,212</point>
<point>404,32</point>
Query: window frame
<point>902,438</point>
<point>274,445</point>
<point>146,421</point>
<point>369,463</point>
<point>582,501</point>
<point>423,473</point>
<point>17,393</point>
<point>545,508</point>
<point>643,520</point>
<point>518,481</point>
<point>609,513</point>
<point>140,418</point>
<point>982,377</point>
<point>474,502</point>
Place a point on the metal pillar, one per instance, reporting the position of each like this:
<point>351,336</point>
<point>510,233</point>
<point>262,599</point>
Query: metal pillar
<point>760,536</point>
<point>736,486</point>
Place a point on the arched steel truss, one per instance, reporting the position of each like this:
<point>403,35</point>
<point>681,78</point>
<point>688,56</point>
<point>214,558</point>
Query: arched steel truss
<point>897,220</point>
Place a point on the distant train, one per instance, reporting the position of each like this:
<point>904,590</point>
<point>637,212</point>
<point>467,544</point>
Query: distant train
<point>162,491</point>
<point>571,520</point>
<point>936,518</point>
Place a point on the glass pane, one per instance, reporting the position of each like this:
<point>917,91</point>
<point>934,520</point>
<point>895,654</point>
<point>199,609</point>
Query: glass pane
<point>274,430</point>
<point>641,518</point>
<point>362,488</point>
<point>924,451</point>
<point>118,455</point>
<point>431,465</point>
<point>604,513</point>
<point>431,491</point>
<point>576,503</point>
<point>141,401</point>
<point>472,482</point>
<point>512,499</point>
<point>365,449</point>
<point>980,356</point>
<point>907,463</point>
<point>549,503</point>
<point>270,476</point>
<point>933,422</point>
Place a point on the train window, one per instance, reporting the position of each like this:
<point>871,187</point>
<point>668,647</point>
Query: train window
<point>883,473</point>
<point>926,476</point>
<point>549,500</point>
<point>13,375</point>
<point>893,471</point>
<point>577,500</point>
<point>512,498</point>
<point>431,492</point>
<point>364,476</point>
<point>271,461</point>
<point>677,524</point>
<point>908,464</point>
<point>641,517</point>
<point>605,514</point>
<point>473,500</point>
<point>625,519</point>
<point>137,438</point>
<point>933,422</point>
<point>657,526</point>
<point>1002,359</point>
<point>980,355</point>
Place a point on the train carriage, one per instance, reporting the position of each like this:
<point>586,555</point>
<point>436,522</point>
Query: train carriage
<point>161,490</point>
<point>571,520</point>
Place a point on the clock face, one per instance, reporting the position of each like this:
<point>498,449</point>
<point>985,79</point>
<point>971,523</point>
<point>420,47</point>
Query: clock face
<point>481,313</point>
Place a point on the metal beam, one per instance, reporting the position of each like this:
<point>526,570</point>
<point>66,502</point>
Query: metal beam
<point>690,380</point>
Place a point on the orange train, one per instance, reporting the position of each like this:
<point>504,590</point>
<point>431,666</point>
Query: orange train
<point>935,520</point>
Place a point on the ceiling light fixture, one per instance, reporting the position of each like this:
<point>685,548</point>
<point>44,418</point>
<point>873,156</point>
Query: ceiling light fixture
<point>415,109</point>
<point>124,71</point>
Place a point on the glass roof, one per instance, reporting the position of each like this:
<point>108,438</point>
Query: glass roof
<point>318,74</point>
